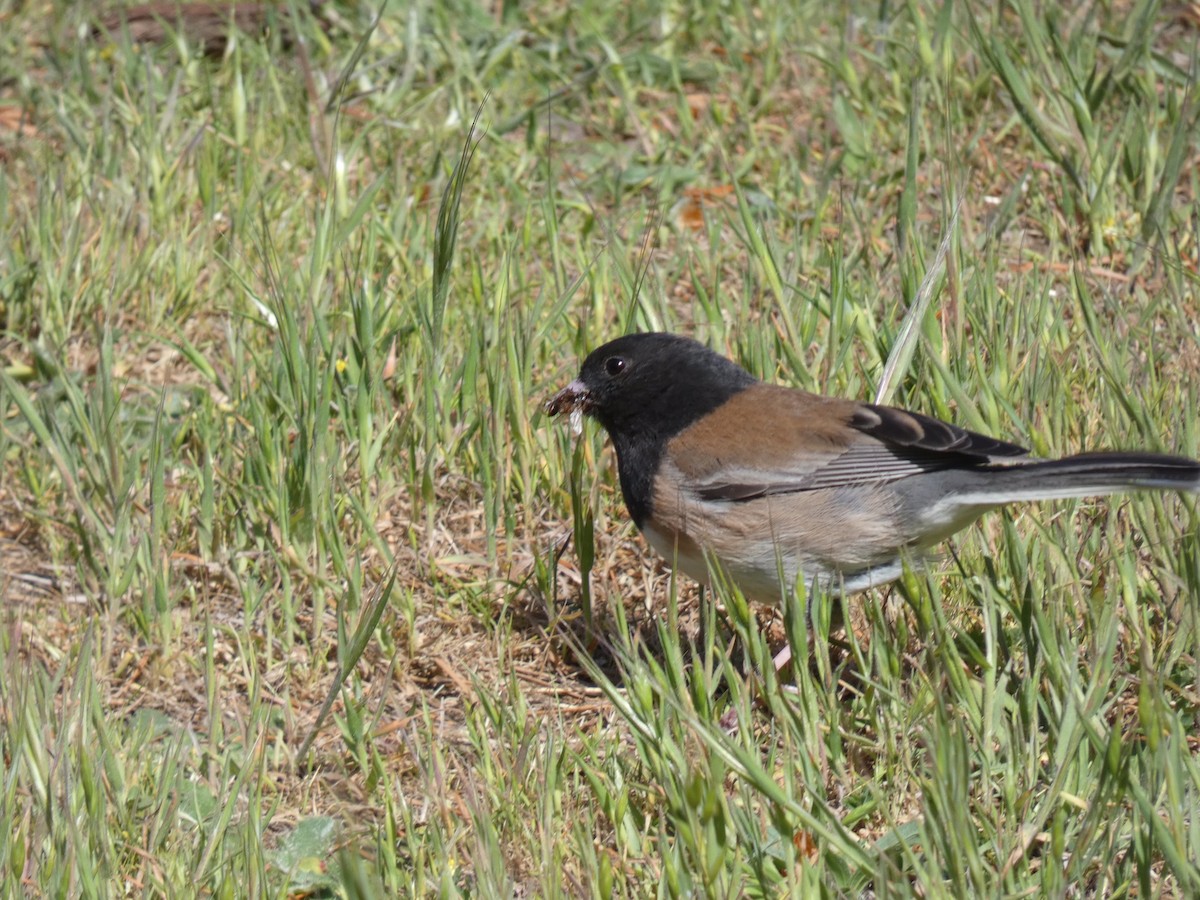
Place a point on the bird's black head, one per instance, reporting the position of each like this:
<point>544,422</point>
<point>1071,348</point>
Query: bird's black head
<point>650,384</point>
<point>644,389</point>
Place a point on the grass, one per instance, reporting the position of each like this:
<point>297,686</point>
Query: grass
<point>288,606</point>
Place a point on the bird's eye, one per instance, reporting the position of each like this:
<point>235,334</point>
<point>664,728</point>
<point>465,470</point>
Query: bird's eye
<point>614,366</point>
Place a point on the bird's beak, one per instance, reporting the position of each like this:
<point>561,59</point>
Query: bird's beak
<point>574,397</point>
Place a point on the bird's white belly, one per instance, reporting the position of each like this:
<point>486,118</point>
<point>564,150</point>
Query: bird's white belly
<point>761,571</point>
<point>765,548</point>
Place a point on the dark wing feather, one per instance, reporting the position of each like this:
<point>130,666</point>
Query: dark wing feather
<point>900,428</point>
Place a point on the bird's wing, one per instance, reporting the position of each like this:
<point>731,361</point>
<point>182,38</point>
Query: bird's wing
<point>794,442</point>
<point>900,428</point>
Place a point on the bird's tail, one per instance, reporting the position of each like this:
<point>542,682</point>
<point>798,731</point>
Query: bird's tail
<point>1085,475</point>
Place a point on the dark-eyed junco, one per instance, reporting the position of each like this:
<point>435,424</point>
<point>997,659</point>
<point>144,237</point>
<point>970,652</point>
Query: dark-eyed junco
<point>776,484</point>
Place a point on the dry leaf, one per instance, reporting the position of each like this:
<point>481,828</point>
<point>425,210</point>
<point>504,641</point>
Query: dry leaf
<point>689,212</point>
<point>14,118</point>
<point>805,845</point>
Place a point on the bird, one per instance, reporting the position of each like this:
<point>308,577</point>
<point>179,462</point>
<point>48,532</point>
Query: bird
<point>778,486</point>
